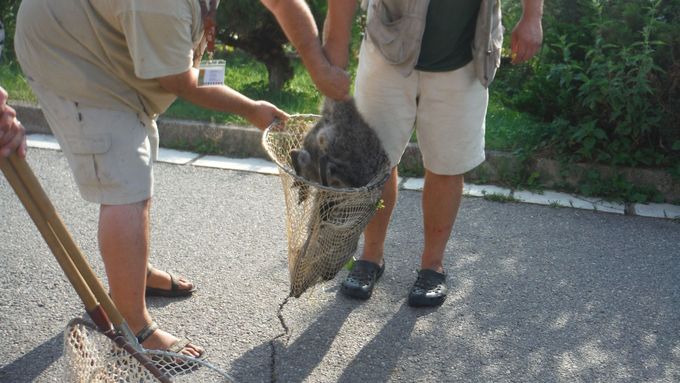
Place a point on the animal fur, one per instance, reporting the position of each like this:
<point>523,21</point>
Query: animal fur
<point>341,150</point>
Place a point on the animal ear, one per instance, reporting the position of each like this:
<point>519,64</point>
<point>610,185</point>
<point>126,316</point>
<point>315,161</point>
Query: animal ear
<point>300,158</point>
<point>333,176</point>
<point>324,137</point>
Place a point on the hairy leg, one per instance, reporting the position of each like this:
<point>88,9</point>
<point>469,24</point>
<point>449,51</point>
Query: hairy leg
<point>376,230</point>
<point>441,199</point>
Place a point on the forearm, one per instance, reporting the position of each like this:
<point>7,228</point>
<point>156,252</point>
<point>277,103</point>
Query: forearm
<point>298,24</point>
<point>220,98</point>
<point>338,30</point>
<point>532,9</point>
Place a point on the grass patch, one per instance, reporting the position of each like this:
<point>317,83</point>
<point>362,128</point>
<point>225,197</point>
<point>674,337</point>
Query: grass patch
<point>507,129</point>
<point>14,82</point>
<point>497,197</point>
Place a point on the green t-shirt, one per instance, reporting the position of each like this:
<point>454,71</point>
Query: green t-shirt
<point>449,31</point>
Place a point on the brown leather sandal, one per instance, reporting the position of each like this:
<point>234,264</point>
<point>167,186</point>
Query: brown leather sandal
<point>174,292</point>
<point>176,347</point>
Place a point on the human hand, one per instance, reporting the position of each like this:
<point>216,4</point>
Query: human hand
<point>264,113</point>
<point>526,39</point>
<point>332,81</point>
<point>12,133</point>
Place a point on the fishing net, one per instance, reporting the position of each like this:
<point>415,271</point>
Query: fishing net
<point>92,357</point>
<point>323,223</point>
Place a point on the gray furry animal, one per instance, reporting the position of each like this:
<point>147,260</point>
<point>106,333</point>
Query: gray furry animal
<point>341,150</point>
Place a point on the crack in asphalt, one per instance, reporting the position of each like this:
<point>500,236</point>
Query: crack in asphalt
<point>272,343</point>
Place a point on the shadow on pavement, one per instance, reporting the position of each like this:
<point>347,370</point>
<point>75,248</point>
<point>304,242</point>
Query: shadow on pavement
<point>30,365</point>
<point>376,362</point>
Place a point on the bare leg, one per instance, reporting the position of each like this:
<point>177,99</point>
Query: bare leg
<point>376,230</point>
<point>441,199</point>
<point>124,245</point>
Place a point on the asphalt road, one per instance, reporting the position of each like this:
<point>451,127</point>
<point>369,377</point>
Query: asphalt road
<point>538,294</point>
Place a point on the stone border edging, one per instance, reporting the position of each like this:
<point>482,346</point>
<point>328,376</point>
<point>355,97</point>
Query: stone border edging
<point>491,192</point>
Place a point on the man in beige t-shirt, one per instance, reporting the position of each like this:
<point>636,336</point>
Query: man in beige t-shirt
<point>103,70</point>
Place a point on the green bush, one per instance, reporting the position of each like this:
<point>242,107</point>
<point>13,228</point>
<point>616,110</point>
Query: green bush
<point>8,10</point>
<point>607,81</point>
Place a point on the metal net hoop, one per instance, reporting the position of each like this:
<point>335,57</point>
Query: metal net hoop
<point>91,356</point>
<point>323,224</point>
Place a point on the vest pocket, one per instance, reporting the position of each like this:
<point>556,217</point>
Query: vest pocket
<point>396,35</point>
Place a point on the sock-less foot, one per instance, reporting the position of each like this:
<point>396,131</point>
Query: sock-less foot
<point>153,338</point>
<point>163,283</point>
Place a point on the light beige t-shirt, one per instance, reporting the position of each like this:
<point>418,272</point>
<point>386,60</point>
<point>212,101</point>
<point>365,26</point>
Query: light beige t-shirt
<point>108,53</point>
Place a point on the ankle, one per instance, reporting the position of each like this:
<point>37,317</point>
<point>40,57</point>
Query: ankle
<point>375,257</point>
<point>377,261</point>
<point>432,260</point>
<point>136,323</point>
<point>436,266</point>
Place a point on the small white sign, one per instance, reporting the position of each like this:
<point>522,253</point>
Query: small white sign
<point>211,72</point>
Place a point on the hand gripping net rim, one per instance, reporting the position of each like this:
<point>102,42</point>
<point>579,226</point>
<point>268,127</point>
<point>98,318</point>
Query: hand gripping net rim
<point>323,223</point>
<point>92,357</point>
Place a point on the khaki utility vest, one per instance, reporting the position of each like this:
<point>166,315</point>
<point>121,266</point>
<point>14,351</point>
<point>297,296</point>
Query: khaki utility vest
<point>396,28</point>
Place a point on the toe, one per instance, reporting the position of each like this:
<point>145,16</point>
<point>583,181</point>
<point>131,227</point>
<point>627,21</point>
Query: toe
<point>193,350</point>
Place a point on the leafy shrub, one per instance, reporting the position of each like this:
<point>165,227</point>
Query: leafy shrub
<point>607,80</point>
<point>8,10</point>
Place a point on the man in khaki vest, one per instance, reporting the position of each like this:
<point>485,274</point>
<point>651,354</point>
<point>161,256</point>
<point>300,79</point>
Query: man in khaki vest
<point>103,70</point>
<point>426,65</point>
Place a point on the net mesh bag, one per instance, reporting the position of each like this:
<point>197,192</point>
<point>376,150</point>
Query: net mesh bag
<point>323,223</point>
<point>91,356</point>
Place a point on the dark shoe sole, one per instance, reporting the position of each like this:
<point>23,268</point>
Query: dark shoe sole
<point>426,302</point>
<point>179,293</point>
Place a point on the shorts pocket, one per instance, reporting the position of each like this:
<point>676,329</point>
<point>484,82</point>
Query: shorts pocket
<point>89,144</point>
<point>85,151</point>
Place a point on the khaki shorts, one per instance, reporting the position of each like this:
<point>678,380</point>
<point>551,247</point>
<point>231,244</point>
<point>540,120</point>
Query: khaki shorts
<point>447,110</point>
<point>110,152</point>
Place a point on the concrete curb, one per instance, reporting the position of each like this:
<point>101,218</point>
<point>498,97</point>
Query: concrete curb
<point>499,168</point>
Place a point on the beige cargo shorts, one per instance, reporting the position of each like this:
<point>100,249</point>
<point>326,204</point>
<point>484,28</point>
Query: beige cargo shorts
<point>447,110</point>
<point>110,152</point>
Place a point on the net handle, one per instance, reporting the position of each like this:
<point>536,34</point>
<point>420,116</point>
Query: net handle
<point>70,258</point>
